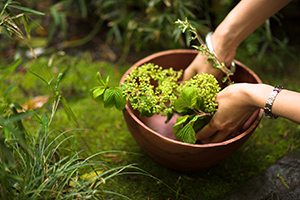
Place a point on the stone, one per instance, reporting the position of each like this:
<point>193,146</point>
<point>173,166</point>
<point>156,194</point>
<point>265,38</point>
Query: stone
<point>270,185</point>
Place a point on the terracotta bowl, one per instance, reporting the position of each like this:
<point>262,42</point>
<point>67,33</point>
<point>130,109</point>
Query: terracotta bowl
<point>157,138</point>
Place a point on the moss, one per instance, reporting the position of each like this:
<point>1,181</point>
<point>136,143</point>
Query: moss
<point>105,129</point>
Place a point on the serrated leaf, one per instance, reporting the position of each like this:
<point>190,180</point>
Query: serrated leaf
<point>97,91</point>
<point>189,96</point>
<point>120,101</point>
<point>187,132</point>
<point>179,122</point>
<point>107,80</point>
<point>108,98</point>
<point>180,105</point>
<point>199,104</point>
<point>99,79</point>
<point>114,97</point>
<point>200,122</point>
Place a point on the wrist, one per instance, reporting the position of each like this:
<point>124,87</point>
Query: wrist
<point>223,46</point>
<point>258,94</point>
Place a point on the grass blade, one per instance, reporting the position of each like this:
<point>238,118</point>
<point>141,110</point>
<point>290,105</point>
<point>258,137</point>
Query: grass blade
<point>26,9</point>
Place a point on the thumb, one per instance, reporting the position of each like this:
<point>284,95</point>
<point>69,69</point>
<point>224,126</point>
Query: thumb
<point>188,73</point>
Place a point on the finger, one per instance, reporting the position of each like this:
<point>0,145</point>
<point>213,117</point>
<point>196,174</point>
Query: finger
<point>221,136</point>
<point>206,132</point>
<point>188,73</point>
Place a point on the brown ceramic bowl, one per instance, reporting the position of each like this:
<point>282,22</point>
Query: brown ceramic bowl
<point>157,138</point>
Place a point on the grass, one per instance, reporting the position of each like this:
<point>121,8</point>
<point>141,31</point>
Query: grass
<point>105,130</point>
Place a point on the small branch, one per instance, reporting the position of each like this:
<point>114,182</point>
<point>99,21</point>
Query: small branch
<point>221,65</point>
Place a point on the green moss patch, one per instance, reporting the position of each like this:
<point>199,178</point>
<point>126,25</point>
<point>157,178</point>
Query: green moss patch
<point>105,130</point>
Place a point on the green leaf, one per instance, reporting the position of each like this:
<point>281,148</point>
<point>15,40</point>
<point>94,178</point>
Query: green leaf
<point>179,122</point>
<point>26,9</point>
<point>68,110</point>
<point>201,122</point>
<point>20,135</point>
<point>199,105</point>
<point>83,8</point>
<point>100,80</point>
<point>180,105</point>
<point>120,101</point>
<point>189,96</point>
<point>114,97</point>
<point>187,132</point>
<point>55,15</point>
<point>169,117</point>
<point>60,76</point>
<point>107,80</point>
<point>26,25</point>
<point>9,89</point>
<point>48,83</point>
<point>97,91</point>
<point>109,98</point>
<point>6,151</point>
<point>10,69</point>
<point>5,6</point>
<point>7,32</point>
<point>145,113</point>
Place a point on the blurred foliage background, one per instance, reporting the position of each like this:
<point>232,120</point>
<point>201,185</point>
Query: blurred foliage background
<point>67,36</point>
<point>113,29</point>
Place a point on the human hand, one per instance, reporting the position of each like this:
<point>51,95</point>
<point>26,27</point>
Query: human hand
<point>235,107</point>
<point>200,65</point>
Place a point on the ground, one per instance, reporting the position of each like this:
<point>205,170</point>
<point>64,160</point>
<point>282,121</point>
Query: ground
<point>105,130</point>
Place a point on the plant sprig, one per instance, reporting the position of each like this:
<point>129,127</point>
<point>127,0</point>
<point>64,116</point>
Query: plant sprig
<point>150,89</point>
<point>185,26</point>
<point>110,96</point>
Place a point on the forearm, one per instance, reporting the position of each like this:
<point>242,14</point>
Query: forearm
<point>285,105</point>
<point>240,23</point>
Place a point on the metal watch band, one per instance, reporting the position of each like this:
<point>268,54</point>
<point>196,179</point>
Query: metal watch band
<point>211,49</point>
<point>268,107</point>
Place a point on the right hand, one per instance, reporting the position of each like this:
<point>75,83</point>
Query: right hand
<point>235,107</point>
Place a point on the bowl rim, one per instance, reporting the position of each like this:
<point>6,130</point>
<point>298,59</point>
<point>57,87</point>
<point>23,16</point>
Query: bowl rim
<point>169,140</point>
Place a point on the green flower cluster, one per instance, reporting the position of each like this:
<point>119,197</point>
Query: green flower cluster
<point>206,89</point>
<point>153,90</point>
<point>150,89</point>
<point>139,89</point>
